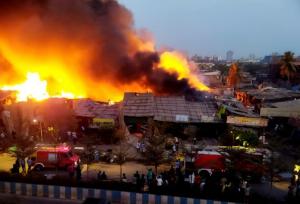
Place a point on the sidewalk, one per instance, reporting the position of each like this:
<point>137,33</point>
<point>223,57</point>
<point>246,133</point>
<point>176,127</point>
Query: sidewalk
<point>278,191</point>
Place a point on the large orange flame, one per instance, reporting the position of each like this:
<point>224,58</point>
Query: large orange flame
<point>175,62</point>
<point>72,49</point>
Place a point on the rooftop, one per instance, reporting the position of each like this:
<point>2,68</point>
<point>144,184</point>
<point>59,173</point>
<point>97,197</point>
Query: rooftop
<point>168,108</point>
<point>89,108</point>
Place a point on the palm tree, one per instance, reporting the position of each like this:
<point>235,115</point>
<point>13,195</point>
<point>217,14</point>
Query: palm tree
<point>287,68</point>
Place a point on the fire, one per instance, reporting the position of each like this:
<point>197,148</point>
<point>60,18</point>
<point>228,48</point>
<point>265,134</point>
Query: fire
<point>175,62</point>
<point>82,49</point>
<point>34,88</point>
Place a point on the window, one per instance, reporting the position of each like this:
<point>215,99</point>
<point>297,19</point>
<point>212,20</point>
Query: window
<point>52,157</point>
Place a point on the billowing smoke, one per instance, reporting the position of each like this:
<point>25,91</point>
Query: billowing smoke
<point>89,47</point>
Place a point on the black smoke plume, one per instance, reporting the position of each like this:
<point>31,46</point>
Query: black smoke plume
<point>103,29</point>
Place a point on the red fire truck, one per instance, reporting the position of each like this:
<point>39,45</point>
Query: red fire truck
<point>54,157</point>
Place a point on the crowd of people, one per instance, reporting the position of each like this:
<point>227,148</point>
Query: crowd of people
<point>218,185</point>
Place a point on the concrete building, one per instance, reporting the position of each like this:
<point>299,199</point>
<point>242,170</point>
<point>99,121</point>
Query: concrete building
<point>229,56</point>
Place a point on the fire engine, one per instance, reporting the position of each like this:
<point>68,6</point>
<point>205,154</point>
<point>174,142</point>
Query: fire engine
<point>54,157</point>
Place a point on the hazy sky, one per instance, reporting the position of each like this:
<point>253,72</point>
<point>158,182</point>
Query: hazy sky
<point>208,27</point>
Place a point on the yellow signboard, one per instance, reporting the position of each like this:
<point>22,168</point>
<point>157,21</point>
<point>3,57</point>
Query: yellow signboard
<point>103,123</point>
<point>246,121</point>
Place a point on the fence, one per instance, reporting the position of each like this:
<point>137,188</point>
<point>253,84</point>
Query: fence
<point>77,193</point>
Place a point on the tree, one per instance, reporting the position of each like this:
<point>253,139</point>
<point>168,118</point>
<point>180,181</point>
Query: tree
<point>87,158</point>
<point>155,148</point>
<point>245,138</point>
<point>22,148</point>
<point>121,157</point>
<point>287,68</point>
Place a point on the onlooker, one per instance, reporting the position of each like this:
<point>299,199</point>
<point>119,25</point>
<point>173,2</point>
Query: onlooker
<point>103,176</point>
<point>149,176</point>
<point>174,148</point>
<point>23,166</point>
<point>124,178</point>
<point>71,171</point>
<point>142,182</point>
<point>194,140</point>
<point>99,175</point>
<point>247,193</point>
<point>138,146</point>
<point>29,164</point>
<point>137,178</point>
<point>78,172</point>
<point>159,181</point>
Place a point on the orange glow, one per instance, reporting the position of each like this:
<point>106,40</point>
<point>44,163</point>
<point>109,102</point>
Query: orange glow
<point>77,49</point>
<point>34,88</point>
<point>175,62</point>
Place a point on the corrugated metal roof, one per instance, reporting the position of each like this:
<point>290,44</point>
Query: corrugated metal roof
<point>168,108</point>
<point>270,93</point>
<point>89,108</point>
<point>138,104</point>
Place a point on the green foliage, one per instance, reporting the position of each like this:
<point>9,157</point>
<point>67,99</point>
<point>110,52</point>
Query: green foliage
<point>287,68</point>
<point>245,138</point>
<point>22,148</point>
<point>155,147</point>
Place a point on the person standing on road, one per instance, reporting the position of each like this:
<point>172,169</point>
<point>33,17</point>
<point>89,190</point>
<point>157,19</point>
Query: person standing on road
<point>29,164</point>
<point>71,171</point>
<point>194,140</point>
<point>23,166</point>
<point>78,172</point>
<point>137,178</point>
<point>138,146</point>
<point>124,178</point>
<point>149,177</point>
<point>142,182</point>
<point>159,182</point>
<point>247,193</point>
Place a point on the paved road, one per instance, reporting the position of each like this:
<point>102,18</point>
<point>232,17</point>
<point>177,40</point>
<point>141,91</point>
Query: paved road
<point>112,170</point>
<point>13,199</point>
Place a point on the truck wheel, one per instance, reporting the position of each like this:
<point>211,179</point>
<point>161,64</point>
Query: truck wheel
<point>38,167</point>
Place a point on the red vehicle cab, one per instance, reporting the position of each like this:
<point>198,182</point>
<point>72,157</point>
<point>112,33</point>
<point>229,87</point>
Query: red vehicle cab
<point>209,161</point>
<point>54,157</point>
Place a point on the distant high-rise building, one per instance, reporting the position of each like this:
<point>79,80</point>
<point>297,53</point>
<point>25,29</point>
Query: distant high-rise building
<point>252,57</point>
<point>229,56</point>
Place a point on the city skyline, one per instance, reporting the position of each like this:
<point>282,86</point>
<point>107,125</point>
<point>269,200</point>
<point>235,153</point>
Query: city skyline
<point>245,27</point>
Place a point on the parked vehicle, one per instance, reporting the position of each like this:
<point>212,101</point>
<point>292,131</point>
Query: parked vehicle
<point>54,157</point>
<point>209,161</point>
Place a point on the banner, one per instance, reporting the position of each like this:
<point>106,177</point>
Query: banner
<point>246,121</point>
<point>103,123</point>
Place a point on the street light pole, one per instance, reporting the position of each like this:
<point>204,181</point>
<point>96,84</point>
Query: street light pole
<point>41,129</point>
